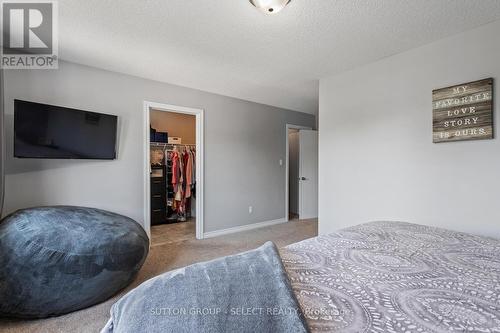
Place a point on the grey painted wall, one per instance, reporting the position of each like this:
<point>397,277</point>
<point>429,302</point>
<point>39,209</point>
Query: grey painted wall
<point>2,142</point>
<point>244,142</point>
<point>377,159</point>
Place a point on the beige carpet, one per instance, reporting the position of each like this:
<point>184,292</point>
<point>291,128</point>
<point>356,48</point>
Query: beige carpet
<point>168,233</point>
<point>165,256</point>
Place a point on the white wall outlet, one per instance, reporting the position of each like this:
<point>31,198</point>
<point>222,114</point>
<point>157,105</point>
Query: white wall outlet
<point>250,209</point>
<point>281,162</point>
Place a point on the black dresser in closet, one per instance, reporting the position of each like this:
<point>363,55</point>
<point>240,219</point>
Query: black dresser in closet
<point>171,214</point>
<point>158,194</point>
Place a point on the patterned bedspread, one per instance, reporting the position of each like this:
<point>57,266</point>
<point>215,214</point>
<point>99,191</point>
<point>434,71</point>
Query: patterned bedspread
<point>397,277</point>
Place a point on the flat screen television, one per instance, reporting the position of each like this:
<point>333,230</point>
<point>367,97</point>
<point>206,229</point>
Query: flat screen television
<point>48,131</point>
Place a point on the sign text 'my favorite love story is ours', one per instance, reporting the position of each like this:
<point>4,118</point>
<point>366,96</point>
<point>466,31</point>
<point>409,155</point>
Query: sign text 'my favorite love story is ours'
<point>463,112</point>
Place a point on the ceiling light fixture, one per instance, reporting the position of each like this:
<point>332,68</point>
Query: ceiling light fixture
<point>270,6</point>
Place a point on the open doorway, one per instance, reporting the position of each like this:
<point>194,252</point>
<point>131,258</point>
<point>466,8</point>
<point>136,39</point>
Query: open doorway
<point>173,173</point>
<point>293,177</point>
<point>301,173</point>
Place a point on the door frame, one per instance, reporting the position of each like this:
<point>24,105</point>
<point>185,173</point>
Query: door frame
<point>200,183</point>
<point>287,164</point>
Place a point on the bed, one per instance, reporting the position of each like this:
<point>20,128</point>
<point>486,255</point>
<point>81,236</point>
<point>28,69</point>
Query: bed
<point>397,277</point>
<point>374,277</point>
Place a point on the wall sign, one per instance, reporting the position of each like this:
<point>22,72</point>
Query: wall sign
<point>463,112</point>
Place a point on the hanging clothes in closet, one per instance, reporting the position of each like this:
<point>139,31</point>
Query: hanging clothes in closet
<point>180,176</point>
<point>190,179</point>
<point>183,180</point>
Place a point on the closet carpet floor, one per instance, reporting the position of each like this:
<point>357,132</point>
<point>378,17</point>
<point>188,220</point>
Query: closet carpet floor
<point>176,232</point>
<point>166,255</point>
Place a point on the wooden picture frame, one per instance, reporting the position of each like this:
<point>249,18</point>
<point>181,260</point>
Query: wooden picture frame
<point>463,112</point>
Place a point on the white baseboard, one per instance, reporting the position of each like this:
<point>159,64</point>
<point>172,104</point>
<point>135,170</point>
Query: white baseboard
<point>247,227</point>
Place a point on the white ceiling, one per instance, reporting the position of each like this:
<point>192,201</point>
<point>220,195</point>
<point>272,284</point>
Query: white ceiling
<point>229,47</point>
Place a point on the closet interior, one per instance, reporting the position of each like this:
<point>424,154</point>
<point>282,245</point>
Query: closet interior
<point>173,167</point>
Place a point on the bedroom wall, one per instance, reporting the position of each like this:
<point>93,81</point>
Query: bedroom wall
<point>377,159</point>
<point>2,142</point>
<point>244,142</point>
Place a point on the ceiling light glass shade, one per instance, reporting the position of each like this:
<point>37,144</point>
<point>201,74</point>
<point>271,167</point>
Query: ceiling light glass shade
<point>270,6</point>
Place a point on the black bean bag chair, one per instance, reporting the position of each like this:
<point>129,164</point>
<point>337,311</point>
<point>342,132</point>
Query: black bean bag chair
<point>55,260</point>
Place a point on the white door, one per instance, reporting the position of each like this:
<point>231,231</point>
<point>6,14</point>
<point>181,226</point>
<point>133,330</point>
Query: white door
<point>308,174</point>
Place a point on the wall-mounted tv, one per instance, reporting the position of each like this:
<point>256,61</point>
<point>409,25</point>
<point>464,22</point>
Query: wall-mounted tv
<point>47,131</point>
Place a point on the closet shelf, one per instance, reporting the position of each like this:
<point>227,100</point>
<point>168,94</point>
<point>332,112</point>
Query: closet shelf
<point>170,145</point>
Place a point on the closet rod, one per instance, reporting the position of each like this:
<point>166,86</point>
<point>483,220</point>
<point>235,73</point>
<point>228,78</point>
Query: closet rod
<point>162,144</point>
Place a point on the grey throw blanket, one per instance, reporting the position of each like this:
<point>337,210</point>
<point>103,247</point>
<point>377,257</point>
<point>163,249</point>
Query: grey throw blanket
<point>247,292</point>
